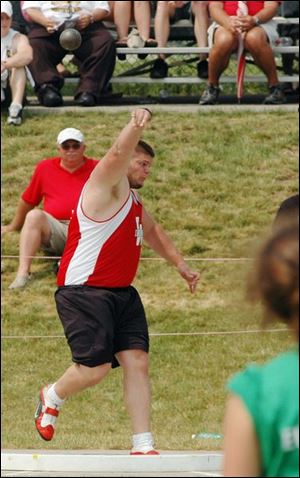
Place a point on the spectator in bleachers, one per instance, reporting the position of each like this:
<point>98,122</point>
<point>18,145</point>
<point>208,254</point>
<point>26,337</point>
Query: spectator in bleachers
<point>201,24</point>
<point>96,54</point>
<point>261,431</point>
<point>16,53</point>
<point>19,23</point>
<point>140,13</point>
<point>168,13</point>
<point>289,9</point>
<point>57,183</point>
<point>260,33</point>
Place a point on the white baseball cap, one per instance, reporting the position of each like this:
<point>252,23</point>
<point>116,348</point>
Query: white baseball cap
<point>6,7</point>
<point>70,133</point>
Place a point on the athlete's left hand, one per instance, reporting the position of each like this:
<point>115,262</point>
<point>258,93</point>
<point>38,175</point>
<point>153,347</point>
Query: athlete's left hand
<point>192,277</point>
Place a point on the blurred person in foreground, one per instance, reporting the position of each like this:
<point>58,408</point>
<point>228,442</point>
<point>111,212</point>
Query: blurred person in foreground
<point>262,416</point>
<point>57,183</point>
<point>288,212</point>
<point>16,53</point>
<point>101,312</point>
<point>259,32</point>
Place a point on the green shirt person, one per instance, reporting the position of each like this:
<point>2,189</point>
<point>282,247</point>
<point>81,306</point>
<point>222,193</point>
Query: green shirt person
<point>261,426</point>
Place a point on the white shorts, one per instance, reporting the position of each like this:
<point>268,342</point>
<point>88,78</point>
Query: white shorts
<point>269,27</point>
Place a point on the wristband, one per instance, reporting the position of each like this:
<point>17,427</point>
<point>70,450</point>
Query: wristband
<point>149,111</point>
<point>257,21</point>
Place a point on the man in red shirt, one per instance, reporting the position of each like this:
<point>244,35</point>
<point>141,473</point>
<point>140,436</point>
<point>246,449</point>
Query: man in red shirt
<point>260,33</point>
<point>101,312</point>
<point>57,182</point>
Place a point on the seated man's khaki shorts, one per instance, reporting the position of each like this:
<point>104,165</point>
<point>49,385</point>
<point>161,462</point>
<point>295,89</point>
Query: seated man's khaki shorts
<point>59,232</point>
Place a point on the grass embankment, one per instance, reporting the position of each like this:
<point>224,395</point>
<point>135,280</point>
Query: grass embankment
<point>216,184</point>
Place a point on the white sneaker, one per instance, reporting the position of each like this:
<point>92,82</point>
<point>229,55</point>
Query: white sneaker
<point>20,282</point>
<point>15,114</point>
<point>134,40</point>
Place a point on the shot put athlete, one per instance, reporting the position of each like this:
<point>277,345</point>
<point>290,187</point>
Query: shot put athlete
<point>101,312</point>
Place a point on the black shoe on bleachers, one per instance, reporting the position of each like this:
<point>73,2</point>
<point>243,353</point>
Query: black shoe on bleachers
<point>202,69</point>
<point>85,99</point>
<point>48,95</point>
<point>159,69</point>
<point>121,44</point>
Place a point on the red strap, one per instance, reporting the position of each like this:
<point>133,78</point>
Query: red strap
<point>52,411</point>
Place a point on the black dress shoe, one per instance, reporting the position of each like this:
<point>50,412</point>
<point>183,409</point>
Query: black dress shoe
<point>85,99</point>
<point>159,69</point>
<point>49,96</point>
<point>202,69</point>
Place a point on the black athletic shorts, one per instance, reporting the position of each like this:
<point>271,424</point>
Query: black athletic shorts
<point>100,322</point>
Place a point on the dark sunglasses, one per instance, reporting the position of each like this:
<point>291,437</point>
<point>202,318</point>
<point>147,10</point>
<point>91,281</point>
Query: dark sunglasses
<point>67,146</point>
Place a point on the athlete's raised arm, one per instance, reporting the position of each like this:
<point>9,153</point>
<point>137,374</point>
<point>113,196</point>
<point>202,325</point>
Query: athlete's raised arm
<point>108,182</point>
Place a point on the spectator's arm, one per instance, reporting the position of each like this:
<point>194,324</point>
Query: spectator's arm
<point>23,53</point>
<point>99,14</point>
<point>268,12</point>
<point>219,15</point>
<point>35,15</point>
<point>16,224</point>
<point>86,19</point>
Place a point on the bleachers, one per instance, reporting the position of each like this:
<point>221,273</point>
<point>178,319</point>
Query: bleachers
<point>182,34</point>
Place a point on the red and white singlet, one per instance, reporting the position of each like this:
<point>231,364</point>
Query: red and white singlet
<point>103,253</point>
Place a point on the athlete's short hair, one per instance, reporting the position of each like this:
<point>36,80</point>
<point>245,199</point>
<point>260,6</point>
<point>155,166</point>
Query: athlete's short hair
<point>146,147</point>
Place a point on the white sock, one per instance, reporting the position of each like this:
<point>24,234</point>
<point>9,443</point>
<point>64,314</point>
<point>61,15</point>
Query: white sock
<point>52,400</point>
<point>142,442</point>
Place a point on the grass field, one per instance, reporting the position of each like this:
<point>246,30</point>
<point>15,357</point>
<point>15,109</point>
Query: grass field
<point>216,184</point>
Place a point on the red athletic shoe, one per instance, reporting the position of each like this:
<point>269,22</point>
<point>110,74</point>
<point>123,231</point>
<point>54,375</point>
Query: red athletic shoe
<point>46,432</point>
<point>150,452</point>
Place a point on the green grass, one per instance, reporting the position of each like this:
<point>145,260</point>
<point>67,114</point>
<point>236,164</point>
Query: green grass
<point>215,186</point>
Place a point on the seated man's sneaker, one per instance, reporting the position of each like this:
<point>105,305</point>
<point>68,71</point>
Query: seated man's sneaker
<point>210,95</point>
<point>276,96</point>
<point>146,453</point>
<point>15,114</point>
<point>45,416</point>
<point>20,282</point>
<point>159,69</point>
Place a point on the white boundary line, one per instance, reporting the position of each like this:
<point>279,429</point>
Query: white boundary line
<point>93,462</point>
<point>204,259</point>
<point>203,473</point>
<point>166,334</point>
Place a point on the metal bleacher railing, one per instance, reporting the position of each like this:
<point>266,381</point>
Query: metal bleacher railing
<point>136,74</point>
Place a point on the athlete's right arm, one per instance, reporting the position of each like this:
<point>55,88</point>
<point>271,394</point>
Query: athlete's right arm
<point>108,181</point>
<point>114,165</point>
